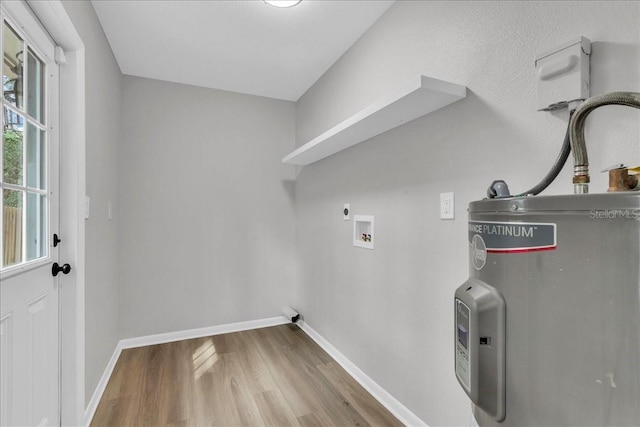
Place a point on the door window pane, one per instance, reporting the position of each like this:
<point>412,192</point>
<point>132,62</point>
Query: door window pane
<point>11,227</point>
<point>34,87</point>
<point>12,147</point>
<point>36,161</point>
<point>12,65</point>
<point>24,182</point>
<point>36,226</point>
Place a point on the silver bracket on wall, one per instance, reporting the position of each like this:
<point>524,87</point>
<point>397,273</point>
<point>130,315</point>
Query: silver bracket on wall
<point>562,74</point>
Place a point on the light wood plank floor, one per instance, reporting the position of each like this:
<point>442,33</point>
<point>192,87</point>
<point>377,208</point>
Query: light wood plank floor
<point>273,376</point>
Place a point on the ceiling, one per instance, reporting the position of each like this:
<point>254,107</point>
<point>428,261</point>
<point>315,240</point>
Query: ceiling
<point>242,46</point>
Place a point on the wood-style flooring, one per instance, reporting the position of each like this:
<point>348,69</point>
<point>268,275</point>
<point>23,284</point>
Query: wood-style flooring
<point>273,376</point>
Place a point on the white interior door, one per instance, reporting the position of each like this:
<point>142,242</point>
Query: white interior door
<point>29,297</point>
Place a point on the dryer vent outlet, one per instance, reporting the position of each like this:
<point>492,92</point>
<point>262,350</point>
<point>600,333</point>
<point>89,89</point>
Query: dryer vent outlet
<point>291,315</point>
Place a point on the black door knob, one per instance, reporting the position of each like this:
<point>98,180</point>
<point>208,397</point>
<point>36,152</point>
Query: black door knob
<point>55,269</point>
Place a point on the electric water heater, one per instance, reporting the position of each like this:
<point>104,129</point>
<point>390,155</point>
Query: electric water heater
<point>547,328</point>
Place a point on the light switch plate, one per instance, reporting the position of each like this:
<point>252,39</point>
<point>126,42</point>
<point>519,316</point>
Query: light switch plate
<point>447,206</point>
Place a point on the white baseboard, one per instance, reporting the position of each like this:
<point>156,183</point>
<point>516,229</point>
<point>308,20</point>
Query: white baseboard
<point>102,385</point>
<point>400,411</point>
<point>165,338</point>
<point>202,332</point>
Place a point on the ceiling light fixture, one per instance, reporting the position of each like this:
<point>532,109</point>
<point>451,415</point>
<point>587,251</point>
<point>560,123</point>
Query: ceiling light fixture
<point>282,3</point>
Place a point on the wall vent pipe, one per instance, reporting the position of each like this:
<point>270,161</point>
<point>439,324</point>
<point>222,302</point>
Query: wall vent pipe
<point>290,314</point>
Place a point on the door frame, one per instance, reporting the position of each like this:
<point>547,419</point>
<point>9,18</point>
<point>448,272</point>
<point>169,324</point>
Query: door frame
<point>72,206</point>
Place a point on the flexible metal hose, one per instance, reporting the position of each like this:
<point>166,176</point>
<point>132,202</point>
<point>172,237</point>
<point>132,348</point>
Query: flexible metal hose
<point>555,169</point>
<point>576,132</point>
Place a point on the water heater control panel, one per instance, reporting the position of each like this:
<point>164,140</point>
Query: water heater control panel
<point>463,370</point>
<point>480,345</point>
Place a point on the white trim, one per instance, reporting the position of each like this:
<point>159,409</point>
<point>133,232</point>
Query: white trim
<point>58,23</point>
<point>202,332</point>
<point>400,411</point>
<point>102,385</point>
<point>170,337</point>
<point>72,228</point>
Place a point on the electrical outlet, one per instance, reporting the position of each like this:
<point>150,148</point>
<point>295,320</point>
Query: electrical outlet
<point>447,207</point>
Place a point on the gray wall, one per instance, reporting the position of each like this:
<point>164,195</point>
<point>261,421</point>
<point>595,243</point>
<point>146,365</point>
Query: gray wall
<point>206,207</point>
<point>103,103</point>
<point>390,310</point>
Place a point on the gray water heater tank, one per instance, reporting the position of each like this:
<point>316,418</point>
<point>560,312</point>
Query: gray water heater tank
<point>567,269</point>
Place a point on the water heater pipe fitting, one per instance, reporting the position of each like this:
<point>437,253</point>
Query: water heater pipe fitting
<point>620,180</point>
<point>576,132</point>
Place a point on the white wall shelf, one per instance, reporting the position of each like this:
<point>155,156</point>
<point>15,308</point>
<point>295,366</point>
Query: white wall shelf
<point>422,96</point>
